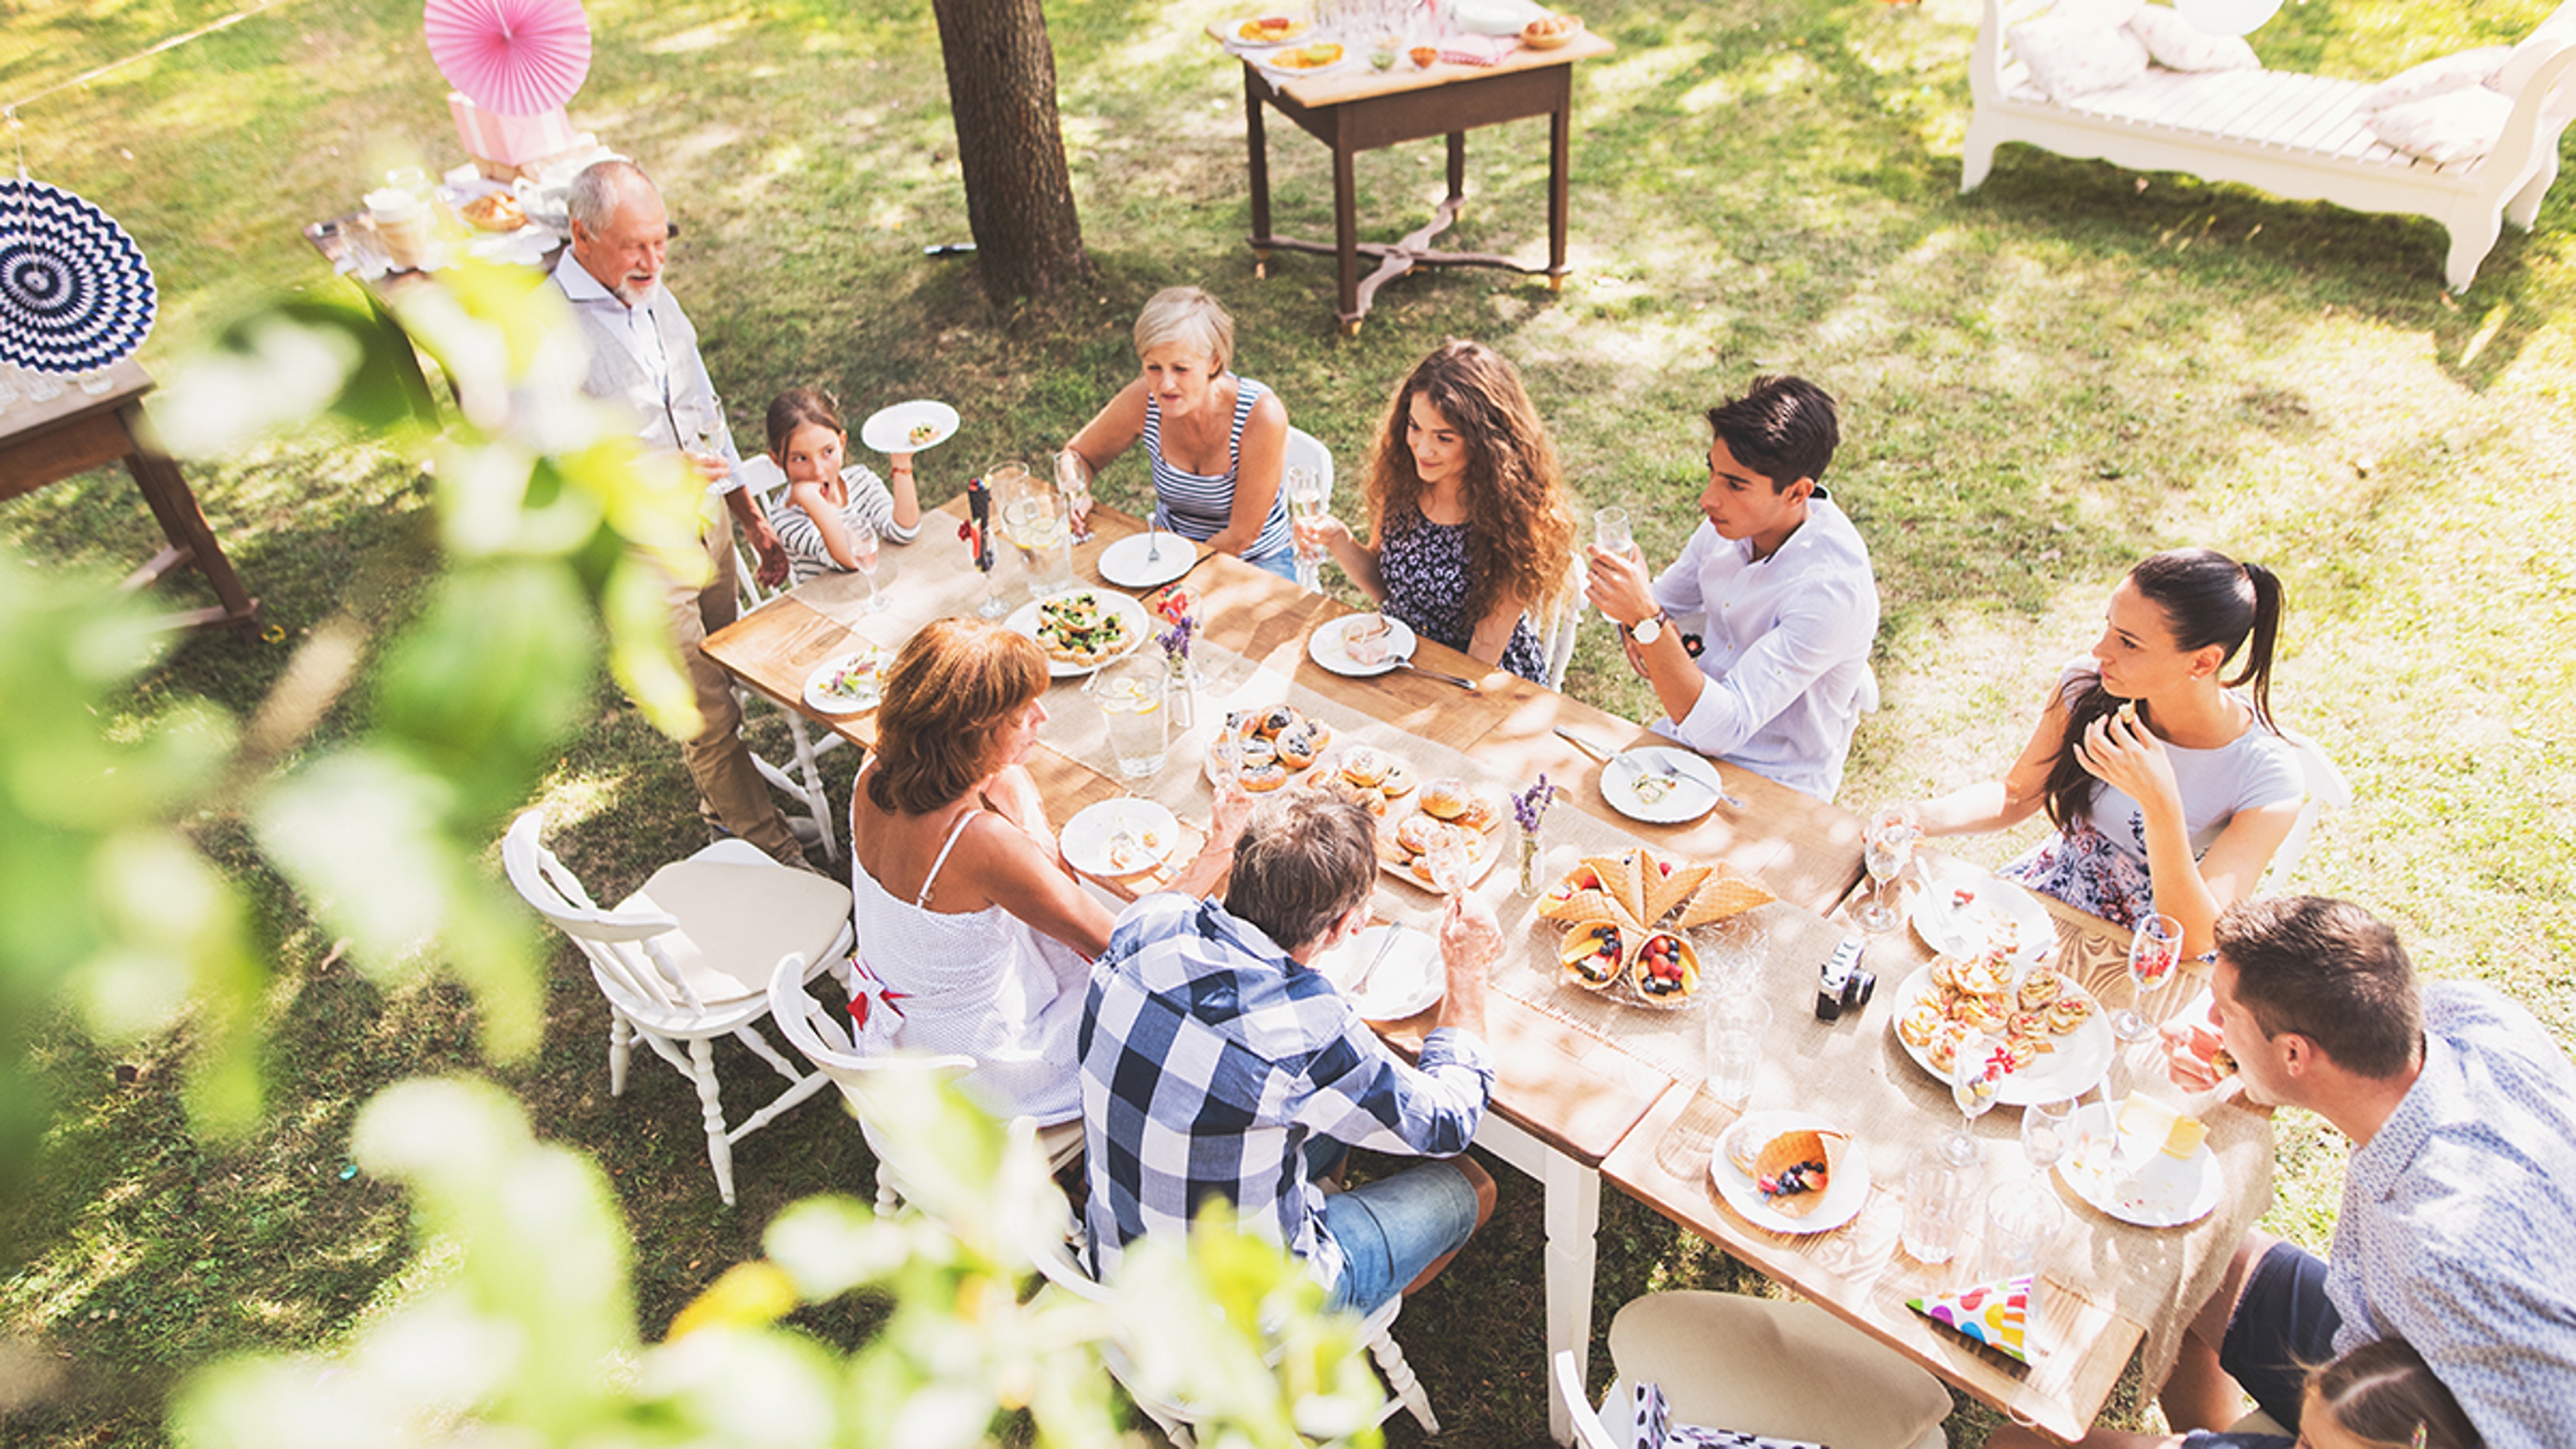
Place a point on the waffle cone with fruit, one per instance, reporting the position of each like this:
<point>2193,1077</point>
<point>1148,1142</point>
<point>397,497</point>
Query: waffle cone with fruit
<point>1793,1170</point>
<point>1624,877</point>
<point>1723,896</point>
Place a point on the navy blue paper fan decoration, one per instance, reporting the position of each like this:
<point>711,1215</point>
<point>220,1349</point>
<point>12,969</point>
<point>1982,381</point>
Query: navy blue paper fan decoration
<point>75,292</point>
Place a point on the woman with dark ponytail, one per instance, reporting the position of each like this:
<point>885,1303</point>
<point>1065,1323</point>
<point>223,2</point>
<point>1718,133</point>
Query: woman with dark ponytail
<point>2169,785</point>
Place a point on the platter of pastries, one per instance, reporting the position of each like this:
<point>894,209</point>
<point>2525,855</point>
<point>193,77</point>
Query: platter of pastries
<point>1626,919</point>
<point>2045,1035</point>
<point>1281,746</point>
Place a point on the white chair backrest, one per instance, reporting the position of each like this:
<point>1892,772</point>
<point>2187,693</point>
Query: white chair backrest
<point>819,1037</point>
<point>767,484</point>
<point>1556,639</point>
<point>2327,789</point>
<point>625,958</point>
<point>1590,1429</point>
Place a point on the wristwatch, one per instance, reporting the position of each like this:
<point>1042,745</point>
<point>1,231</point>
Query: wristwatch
<point>1648,630</point>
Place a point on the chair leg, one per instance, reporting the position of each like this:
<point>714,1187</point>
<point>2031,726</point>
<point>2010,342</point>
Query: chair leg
<point>1400,1378</point>
<point>702,1069</point>
<point>621,1046</point>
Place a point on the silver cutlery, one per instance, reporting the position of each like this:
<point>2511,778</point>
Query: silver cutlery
<point>1586,746</point>
<point>1468,685</point>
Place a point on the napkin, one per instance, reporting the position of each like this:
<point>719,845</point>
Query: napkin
<point>1478,49</point>
<point>1653,1429</point>
<point>1995,1314</point>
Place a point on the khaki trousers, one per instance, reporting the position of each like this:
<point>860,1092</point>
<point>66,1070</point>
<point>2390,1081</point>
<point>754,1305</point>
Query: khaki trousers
<point>731,793</point>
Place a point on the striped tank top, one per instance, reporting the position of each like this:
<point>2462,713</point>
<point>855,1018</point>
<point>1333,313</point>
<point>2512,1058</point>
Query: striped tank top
<point>1197,505</point>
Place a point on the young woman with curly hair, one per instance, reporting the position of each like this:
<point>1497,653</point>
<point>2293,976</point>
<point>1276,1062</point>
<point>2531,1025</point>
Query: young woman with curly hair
<point>1469,531</point>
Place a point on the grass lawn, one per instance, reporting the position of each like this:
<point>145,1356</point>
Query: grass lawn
<point>2041,383</point>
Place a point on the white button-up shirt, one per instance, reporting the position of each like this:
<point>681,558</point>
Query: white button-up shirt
<point>1786,648</point>
<point>645,358</point>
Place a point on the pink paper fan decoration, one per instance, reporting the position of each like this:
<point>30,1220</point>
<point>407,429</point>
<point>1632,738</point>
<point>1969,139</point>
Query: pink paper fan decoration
<point>516,57</point>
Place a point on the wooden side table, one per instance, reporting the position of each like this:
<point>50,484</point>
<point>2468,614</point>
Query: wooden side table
<point>46,442</point>
<point>1370,110</point>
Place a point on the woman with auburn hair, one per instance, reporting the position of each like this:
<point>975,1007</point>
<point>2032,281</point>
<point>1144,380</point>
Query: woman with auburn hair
<point>973,935</point>
<point>1214,441</point>
<point>2167,781</point>
<point>1469,531</point>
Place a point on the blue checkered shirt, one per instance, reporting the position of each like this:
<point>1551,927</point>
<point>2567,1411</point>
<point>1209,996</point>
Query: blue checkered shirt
<point>1209,1060</point>
<point>2457,1214</point>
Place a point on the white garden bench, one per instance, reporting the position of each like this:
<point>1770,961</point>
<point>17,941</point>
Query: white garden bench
<point>2297,136</point>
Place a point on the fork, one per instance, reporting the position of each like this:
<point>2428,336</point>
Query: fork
<point>1468,685</point>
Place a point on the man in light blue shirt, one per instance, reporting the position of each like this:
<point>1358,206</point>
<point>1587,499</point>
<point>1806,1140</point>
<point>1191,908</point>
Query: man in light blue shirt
<point>1783,584</point>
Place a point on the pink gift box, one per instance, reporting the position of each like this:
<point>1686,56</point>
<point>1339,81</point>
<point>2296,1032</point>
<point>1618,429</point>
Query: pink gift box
<point>510,140</point>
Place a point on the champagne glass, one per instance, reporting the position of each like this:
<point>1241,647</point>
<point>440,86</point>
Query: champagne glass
<point>1975,1078</point>
<point>1306,496</point>
<point>2155,949</point>
<point>1073,480</point>
<point>863,552</point>
<point>1447,862</point>
<point>1612,533</point>
<point>2047,1129</point>
<point>1887,847</point>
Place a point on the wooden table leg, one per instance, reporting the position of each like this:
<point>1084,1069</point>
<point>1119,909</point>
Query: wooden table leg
<point>184,524</point>
<point>1560,134</point>
<point>1458,172</point>
<point>1256,143</point>
<point>1346,227</point>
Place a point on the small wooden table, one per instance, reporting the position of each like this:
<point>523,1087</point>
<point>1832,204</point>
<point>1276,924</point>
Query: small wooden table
<point>1368,110</point>
<point>46,442</point>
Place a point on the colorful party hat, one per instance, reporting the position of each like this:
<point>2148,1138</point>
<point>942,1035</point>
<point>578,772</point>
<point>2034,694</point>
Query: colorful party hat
<point>1995,1314</point>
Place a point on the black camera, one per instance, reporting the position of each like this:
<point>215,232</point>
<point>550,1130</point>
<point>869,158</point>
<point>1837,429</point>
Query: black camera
<point>1843,985</point>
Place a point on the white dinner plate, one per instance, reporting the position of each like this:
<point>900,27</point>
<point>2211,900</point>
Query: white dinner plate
<point>1844,1195</point>
<point>1091,842</point>
<point>1955,915</point>
<point>1148,560</point>
<point>1352,57</point>
<point>1324,646</point>
<point>1693,796</point>
<point>1235,39</point>
<point>824,694</point>
<point>2082,1058</point>
<point>889,430</point>
<point>2137,1182</point>
<point>1024,620</point>
<point>1407,981</point>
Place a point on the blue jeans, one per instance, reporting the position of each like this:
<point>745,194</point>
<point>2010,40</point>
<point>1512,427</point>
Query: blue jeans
<point>1393,1228</point>
<point>1284,564</point>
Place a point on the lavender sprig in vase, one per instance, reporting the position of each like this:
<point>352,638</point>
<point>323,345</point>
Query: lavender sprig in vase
<point>1180,691</point>
<point>1529,807</point>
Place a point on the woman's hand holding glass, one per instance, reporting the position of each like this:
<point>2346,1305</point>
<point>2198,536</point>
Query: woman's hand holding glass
<point>1316,534</point>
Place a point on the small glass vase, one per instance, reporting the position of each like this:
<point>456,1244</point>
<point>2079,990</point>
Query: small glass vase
<point>1533,877</point>
<point>1181,692</point>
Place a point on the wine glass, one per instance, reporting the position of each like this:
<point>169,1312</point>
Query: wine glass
<point>1975,1079</point>
<point>1887,847</point>
<point>1073,480</point>
<point>1447,862</point>
<point>1306,495</point>
<point>1612,533</point>
<point>2047,1129</point>
<point>863,552</point>
<point>2155,949</point>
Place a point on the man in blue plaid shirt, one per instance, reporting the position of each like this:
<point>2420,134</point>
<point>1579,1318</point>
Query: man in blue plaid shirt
<point>1215,1063</point>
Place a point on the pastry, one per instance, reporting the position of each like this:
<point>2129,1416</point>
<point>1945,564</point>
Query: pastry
<point>1421,834</point>
<point>499,211</point>
<point>1666,969</point>
<point>1722,896</point>
<point>1920,1022</point>
<point>1074,630</point>
<point>1480,814</point>
<point>1590,954</point>
<point>1391,854</point>
<point>1398,781</point>
<point>1264,777</point>
<point>2039,988</point>
<point>1298,745</point>
<point>1444,799</point>
<point>1269,722</point>
<point>1364,766</point>
<point>2069,1012</point>
<point>1669,884</point>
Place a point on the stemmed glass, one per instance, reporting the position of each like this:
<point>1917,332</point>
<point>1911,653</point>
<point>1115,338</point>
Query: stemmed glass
<point>2155,949</point>
<point>863,552</point>
<point>1887,847</point>
<point>1306,495</point>
<point>1975,1079</point>
<point>1073,480</point>
<point>2047,1130</point>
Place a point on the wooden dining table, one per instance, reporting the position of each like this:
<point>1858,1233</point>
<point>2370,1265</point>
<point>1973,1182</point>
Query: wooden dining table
<point>1586,1087</point>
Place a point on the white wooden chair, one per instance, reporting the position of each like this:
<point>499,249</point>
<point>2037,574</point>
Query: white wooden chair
<point>687,958</point>
<point>2327,789</point>
<point>823,1038</point>
<point>1055,1261</point>
<point>1765,1366</point>
<point>801,780</point>
<point>1556,639</point>
<point>1304,450</point>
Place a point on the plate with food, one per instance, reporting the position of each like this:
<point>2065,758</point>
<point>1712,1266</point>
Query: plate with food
<point>2052,1034</point>
<point>1360,645</point>
<point>1661,785</point>
<point>1148,560</point>
<point>1790,1172</point>
<point>1082,630</point>
<point>848,683</point>
<point>1261,32</point>
<point>1118,838</point>
<point>1964,915</point>
<point>1627,920</point>
<point>2149,1165</point>
<point>909,427</point>
<point>1422,820</point>
<point>1389,972</point>
<point>1550,31</point>
<point>1274,742</point>
<point>1314,58</point>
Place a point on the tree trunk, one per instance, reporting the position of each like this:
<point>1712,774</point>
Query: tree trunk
<point>1019,199</point>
